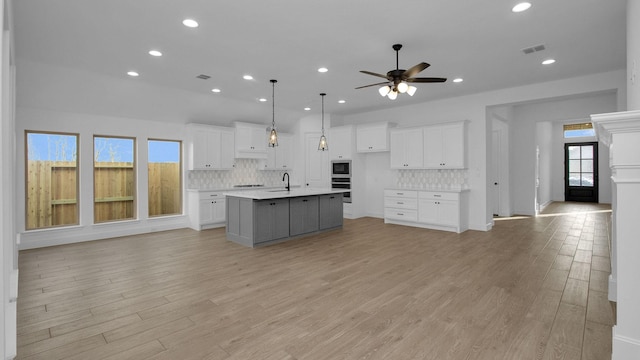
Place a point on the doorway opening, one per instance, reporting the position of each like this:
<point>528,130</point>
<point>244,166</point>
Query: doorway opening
<point>581,172</point>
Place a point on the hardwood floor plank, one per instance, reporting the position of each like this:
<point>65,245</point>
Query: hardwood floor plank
<point>144,351</point>
<point>597,341</point>
<point>575,292</point>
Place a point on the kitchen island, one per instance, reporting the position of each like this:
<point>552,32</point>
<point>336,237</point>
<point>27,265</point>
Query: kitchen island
<point>263,217</point>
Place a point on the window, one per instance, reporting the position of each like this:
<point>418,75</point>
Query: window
<point>165,182</point>
<point>51,179</point>
<point>113,178</point>
<point>578,130</point>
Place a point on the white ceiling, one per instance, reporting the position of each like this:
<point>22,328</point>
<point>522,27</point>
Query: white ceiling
<point>289,40</point>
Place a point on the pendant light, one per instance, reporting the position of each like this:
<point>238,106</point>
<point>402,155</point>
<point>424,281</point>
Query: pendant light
<point>322,146</point>
<point>273,135</point>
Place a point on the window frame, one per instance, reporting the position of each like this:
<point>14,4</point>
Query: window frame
<point>180,179</point>
<point>134,186</point>
<point>26,179</point>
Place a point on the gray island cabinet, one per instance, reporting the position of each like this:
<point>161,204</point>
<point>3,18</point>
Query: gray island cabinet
<point>262,217</point>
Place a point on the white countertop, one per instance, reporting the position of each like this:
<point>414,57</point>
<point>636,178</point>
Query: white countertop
<point>283,193</point>
<point>229,189</point>
<point>429,189</point>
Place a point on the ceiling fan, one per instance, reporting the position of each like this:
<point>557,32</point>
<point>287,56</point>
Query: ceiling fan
<point>397,79</point>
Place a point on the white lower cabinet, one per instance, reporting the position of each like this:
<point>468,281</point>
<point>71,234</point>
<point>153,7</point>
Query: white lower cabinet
<point>401,205</point>
<point>206,209</point>
<point>440,210</point>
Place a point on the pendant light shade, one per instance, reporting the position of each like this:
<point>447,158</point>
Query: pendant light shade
<point>384,90</point>
<point>273,135</point>
<point>322,145</point>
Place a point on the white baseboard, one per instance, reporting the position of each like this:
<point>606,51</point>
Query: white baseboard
<point>613,289</point>
<point>76,234</point>
<point>624,348</point>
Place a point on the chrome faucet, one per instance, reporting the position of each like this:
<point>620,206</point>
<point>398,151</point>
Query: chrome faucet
<point>288,185</point>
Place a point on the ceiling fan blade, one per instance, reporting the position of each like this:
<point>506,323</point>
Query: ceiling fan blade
<point>374,74</point>
<point>414,70</point>
<point>382,83</point>
<point>426,80</point>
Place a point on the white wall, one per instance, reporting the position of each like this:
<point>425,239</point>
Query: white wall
<point>87,125</point>
<point>633,55</point>
<point>474,109</point>
<point>544,138</point>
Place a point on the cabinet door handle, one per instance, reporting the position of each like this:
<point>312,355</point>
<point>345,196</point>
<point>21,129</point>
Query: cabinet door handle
<point>305,200</point>
<point>332,197</point>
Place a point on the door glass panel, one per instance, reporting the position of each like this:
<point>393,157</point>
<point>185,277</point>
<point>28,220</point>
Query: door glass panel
<point>587,166</point>
<point>574,152</point>
<point>587,152</point>
<point>574,166</point>
<point>587,180</point>
<point>574,179</point>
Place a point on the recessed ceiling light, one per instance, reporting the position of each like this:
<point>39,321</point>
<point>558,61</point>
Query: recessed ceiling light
<point>132,73</point>
<point>247,77</point>
<point>458,80</point>
<point>342,101</point>
<point>521,7</point>
<point>323,70</point>
<point>262,100</point>
<point>216,90</point>
<point>155,53</point>
<point>190,23</point>
<point>307,109</point>
<point>548,62</point>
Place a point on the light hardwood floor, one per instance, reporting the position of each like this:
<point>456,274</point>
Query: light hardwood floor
<point>532,288</point>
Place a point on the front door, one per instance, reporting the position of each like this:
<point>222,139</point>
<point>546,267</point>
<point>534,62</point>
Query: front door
<point>581,172</point>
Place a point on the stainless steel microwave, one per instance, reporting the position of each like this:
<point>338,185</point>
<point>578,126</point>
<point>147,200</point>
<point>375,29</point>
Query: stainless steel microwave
<point>341,168</point>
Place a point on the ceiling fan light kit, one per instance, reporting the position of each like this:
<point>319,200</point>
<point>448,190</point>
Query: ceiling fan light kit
<point>398,79</point>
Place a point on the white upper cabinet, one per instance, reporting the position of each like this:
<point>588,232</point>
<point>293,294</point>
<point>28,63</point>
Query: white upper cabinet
<point>340,140</point>
<point>445,146</point>
<point>372,137</point>
<point>279,157</point>
<point>210,147</point>
<point>406,148</point>
<point>251,141</point>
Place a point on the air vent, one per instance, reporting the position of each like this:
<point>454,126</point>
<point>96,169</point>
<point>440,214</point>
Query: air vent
<point>532,49</point>
<point>203,77</point>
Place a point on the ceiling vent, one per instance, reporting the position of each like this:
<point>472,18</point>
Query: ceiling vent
<point>203,77</point>
<point>532,49</point>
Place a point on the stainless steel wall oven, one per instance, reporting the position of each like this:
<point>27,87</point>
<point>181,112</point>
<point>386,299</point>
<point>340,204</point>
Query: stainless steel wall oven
<point>341,177</point>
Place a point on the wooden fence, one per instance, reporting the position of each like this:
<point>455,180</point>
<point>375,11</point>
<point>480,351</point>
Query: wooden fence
<point>51,192</point>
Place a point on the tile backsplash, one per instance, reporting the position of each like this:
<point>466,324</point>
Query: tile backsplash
<point>433,179</point>
<point>245,172</point>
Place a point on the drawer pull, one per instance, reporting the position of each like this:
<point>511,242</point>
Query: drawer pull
<point>401,214</point>
<point>436,195</point>
<point>399,193</point>
<point>400,203</point>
